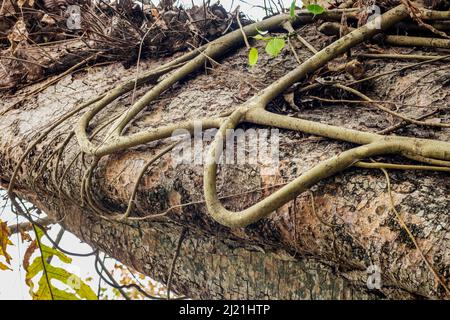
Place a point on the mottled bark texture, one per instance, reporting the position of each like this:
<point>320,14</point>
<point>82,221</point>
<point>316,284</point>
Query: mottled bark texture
<point>291,254</point>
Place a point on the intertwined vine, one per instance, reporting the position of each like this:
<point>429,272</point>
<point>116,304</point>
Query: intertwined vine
<point>433,152</point>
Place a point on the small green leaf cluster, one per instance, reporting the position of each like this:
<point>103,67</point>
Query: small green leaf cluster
<point>274,45</point>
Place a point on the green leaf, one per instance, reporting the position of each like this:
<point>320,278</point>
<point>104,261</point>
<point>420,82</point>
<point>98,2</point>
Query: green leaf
<point>292,9</point>
<point>74,287</point>
<point>260,37</point>
<point>252,56</point>
<point>315,9</point>
<point>275,46</point>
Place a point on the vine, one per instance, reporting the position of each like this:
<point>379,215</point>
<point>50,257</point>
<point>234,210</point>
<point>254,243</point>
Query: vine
<point>253,111</point>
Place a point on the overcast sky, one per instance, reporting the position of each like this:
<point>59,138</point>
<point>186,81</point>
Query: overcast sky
<point>12,283</point>
<point>251,7</point>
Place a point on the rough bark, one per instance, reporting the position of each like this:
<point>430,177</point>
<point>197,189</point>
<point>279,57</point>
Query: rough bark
<point>291,254</point>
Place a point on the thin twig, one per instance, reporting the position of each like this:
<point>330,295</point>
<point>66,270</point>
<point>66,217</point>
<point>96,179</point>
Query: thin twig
<point>174,261</point>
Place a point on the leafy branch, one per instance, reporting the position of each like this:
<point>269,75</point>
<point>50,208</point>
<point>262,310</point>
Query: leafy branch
<point>46,273</point>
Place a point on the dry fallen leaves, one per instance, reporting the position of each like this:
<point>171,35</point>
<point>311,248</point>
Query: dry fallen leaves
<point>4,242</point>
<point>27,3</point>
<point>19,32</point>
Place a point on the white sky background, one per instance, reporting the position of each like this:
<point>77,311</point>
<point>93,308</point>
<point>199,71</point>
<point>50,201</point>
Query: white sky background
<point>12,283</point>
<point>253,8</point>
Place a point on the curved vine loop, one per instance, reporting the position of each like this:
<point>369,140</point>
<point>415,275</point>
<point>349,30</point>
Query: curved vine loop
<point>253,111</point>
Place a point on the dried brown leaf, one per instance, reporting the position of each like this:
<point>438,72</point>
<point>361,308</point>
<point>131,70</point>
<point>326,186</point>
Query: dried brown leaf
<point>19,32</point>
<point>28,254</point>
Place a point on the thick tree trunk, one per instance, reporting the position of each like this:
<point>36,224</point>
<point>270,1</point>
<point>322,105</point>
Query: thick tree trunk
<point>297,252</point>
